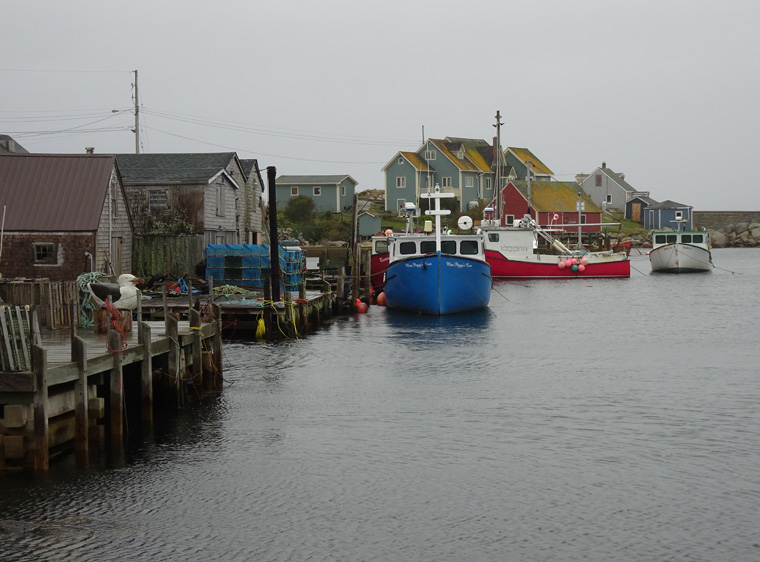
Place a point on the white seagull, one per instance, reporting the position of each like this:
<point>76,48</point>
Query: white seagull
<point>123,293</point>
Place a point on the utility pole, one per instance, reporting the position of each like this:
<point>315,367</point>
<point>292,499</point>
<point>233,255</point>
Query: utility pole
<point>498,165</point>
<point>137,119</point>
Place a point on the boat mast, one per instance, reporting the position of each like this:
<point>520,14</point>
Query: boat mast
<point>437,212</point>
<point>527,167</point>
<point>498,165</point>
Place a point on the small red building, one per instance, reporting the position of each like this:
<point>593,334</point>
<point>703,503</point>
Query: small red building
<point>553,204</point>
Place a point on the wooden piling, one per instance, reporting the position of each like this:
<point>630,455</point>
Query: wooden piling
<point>81,398</point>
<point>116,385</point>
<point>41,434</point>
<point>146,373</point>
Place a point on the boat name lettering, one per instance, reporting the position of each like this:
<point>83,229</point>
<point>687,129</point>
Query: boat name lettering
<point>515,249</point>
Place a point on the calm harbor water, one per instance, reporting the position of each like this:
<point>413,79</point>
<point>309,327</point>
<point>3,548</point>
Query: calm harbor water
<point>590,420</point>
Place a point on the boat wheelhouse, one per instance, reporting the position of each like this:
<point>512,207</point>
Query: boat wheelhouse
<point>680,251</point>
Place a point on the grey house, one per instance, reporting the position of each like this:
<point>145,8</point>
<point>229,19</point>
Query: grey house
<point>66,214</point>
<point>205,191</point>
<point>609,190</point>
<point>330,193</point>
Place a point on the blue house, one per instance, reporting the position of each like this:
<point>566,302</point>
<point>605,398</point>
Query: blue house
<point>522,159</point>
<point>635,209</point>
<point>668,214</point>
<point>465,167</point>
<point>330,193</point>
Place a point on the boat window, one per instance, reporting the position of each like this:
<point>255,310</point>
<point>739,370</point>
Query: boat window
<point>672,238</point>
<point>686,238</point>
<point>698,239</point>
<point>381,246</point>
<point>407,248</point>
<point>659,239</point>
<point>493,236</point>
<point>427,247</point>
<point>468,247</point>
<point>449,247</point>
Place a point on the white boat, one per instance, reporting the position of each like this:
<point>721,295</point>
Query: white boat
<point>680,251</point>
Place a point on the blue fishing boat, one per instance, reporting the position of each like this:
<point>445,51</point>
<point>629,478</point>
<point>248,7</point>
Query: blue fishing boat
<point>440,274</point>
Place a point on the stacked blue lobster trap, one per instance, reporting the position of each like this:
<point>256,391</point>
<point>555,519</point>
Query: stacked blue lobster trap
<point>247,265</point>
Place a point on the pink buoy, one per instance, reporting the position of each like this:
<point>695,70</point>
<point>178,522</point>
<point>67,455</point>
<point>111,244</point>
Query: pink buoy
<point>584,261</point>
<point>581,267</point>
<point>561,265</point>
<point>573,261</point>
<point>568,263</point>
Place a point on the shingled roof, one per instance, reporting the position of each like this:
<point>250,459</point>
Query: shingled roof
<point>166,169</point>
<point>54,192</point>
<point>555,196</point>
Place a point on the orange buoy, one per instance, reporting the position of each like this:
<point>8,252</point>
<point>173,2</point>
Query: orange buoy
<point>381,299</point>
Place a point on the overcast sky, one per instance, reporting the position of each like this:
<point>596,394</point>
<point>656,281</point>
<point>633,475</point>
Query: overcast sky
<point>663,91</point>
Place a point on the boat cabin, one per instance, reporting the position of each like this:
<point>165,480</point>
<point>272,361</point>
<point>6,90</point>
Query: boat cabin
<point>401,247</point>
<point>511,242</point>
<point>694,238</point>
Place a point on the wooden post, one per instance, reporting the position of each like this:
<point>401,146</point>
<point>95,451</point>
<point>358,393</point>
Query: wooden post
<point>217,312</point>
<point>146,374</point>
<point>41,434</point>
<point>116,385</point>
<point>195,327</point>
<point>81,398</point>
<point>175,370</point>
<point>268,307</point>
<point>341,288</point>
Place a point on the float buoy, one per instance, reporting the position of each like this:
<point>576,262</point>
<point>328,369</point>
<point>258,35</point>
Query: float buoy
<point>381,299</point>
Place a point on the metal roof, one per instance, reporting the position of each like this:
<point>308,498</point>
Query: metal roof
<point>179,168</point>
<point>54,192</point>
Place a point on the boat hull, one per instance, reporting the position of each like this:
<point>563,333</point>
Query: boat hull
<point>680,258</point>
<point>547,267</point>
<point>437,284</point>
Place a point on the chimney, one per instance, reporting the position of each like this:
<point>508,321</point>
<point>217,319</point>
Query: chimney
<point>89,150</point>
<point>604,165</point>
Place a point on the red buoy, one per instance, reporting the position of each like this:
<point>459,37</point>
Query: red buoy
<point>362,307</point>
<point>381,299</point>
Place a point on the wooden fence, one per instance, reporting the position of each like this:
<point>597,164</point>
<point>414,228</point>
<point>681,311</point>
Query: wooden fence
<point>174,256</point>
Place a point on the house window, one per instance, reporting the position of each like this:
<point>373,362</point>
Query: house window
<point>430,155</point>
<point>158,200</point>
<point>468,181</point>
<point>44,252</point>
<point>446,182</point>
<point>609,198</point>
<point>220,200</point>
<point>317,191</point>
<point>343,191</point>
<point>583,219</point>
<point>400,182</point>
<point>679,215</point>
<point>293,191</point>
<point>488,183</point>
<point>598,180</point>
<point>400,160</point>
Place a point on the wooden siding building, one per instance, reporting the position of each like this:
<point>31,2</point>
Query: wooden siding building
<point>64,214</point>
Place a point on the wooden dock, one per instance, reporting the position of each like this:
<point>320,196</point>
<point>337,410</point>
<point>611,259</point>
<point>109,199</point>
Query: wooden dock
<point>74,394</point>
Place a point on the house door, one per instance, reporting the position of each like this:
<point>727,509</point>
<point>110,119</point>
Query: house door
<point>636,212</point>
<point>117,247</point>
